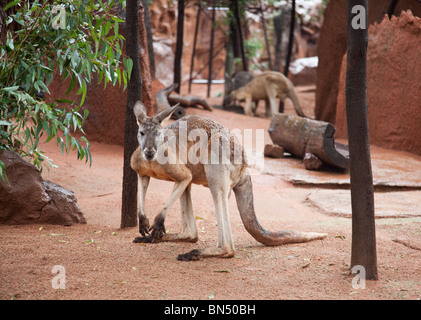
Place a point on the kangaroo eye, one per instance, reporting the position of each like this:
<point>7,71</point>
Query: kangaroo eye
<point>141,133</point>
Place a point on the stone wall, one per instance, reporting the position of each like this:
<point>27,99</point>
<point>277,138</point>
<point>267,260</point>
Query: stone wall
<point>393,84</point>
<point>332,47</point>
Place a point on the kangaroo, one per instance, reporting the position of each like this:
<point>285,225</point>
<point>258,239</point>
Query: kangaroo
<point>219,176</point>
<point>267,86</point>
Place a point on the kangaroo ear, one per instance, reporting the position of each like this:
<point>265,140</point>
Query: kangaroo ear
<point>139,111</point>
<point>166,114</point>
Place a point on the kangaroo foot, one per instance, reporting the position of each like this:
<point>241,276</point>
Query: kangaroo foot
<point>180,237</point>
<point>197,254</point>
<point>145,239</point>
<point>193,255</point>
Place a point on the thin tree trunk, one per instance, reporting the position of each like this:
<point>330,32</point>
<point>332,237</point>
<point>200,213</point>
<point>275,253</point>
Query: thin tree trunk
<point>129,193</point>
<point>291,39</point>
<point>196,30</point>
<point>149,38</point>
<point>266,36</point>
<point>179,45</point>
<point>391,8</point>
<point>363,251</point>
<point>240,34</point>
<point>277,23</point>
<point>289,51</point>
<point>211,49</point>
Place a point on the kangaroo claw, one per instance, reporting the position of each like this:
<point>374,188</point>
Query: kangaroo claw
<point>158,229</point>
<point>143,225</point>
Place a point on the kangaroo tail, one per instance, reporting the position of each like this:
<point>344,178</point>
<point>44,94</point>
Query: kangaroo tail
<point>244,195</point>
<point>294,98</point>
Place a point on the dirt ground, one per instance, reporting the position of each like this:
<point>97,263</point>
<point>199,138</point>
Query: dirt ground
<point>100,261</point>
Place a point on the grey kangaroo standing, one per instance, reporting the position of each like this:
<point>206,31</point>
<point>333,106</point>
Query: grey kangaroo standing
<point>220,178</point>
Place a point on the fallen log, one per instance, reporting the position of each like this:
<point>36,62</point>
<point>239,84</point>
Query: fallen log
<point>300,136</point>
<point>161,100</point>
<point>189,101</point>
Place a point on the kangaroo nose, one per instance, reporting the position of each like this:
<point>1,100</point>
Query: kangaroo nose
<point>149,153</point>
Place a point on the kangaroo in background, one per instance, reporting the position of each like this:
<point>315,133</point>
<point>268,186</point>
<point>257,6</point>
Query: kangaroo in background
<point>267,86</point>
<point>220,178</point>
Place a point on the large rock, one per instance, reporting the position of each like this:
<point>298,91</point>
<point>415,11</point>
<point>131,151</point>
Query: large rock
<point>28,199</point>
<point>332,47</point>
<point>393,85</point>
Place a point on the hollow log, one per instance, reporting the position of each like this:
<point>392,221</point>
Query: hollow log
<point>189,101</point>
<point>162,103</point>
<point>300,136</point>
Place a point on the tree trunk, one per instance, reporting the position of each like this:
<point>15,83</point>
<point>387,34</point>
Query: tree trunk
<point>301,136</point>
<point>277,24</point>
<point>289,51</point>
<point>196,30</point>
<point>179,45</point>
<point>363,252</point>
<point>262,16</point>
<point>240,34</point>
<point>129,196</point>
<point>291,40</point>
<point>148,27</point>
<point>211,49</point>
<point>391,8</point>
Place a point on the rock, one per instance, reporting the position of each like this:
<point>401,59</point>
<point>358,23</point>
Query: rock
<point>332,46</point>
<point>63,208</point>
<point>311,162</point>
<point>393,85</point>
<point>164,60</point>
<point>28,199</point>
<point>273,151</point>
<point>304,71</point>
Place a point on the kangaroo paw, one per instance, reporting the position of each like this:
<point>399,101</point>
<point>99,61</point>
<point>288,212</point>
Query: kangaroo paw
<point>158,228</point>
<point>143,225</point>
<point>146,239</point>
<point>193,255</point>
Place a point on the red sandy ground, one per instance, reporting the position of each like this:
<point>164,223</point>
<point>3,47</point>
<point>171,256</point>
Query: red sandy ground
<point>101,262</point>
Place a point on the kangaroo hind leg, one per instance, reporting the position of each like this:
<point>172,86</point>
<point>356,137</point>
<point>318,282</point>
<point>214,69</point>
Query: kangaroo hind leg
<point>220,189</point>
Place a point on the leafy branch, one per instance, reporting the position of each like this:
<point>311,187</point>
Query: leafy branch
<point>34,52</point>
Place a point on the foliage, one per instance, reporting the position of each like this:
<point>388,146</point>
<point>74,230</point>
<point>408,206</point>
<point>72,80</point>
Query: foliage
<point>70,39</point>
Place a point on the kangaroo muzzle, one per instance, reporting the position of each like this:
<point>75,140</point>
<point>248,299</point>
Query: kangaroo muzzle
<point>149,153</point>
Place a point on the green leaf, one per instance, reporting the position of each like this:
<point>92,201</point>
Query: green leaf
<point>9,43</point>
<point>3,172</point>
<point>128,64</point>
<point>9,89</point>
<point>64,101</point>
<point>41,84</point>
<point>72,85</point>
<point>116,29</point>
<point>10,4</point>
<point>84,90</point>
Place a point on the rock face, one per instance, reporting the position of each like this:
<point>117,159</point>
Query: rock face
<point>393,85</point>
<point>332,47</point>
<point>27,198</point>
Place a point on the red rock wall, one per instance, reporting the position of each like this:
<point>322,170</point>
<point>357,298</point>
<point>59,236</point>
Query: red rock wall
<point>393,84</point>
<point>332,47</point>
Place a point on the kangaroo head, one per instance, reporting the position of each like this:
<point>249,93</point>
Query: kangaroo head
<point>150,129</point>
<point>240,94</point>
